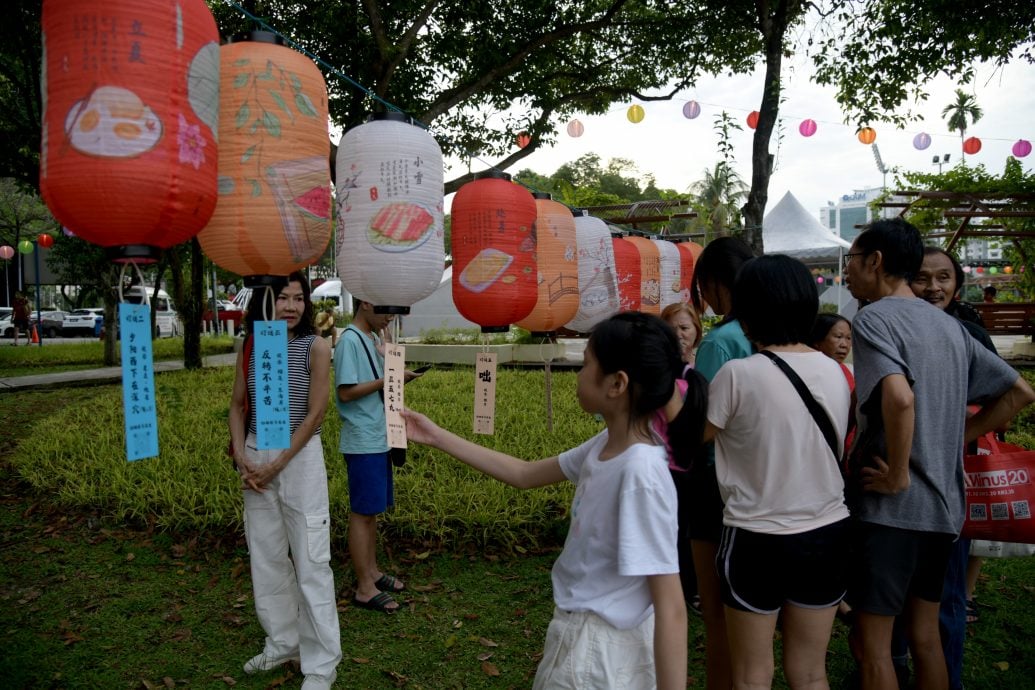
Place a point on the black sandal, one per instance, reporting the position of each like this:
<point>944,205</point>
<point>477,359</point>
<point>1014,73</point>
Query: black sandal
<point>382,602</point>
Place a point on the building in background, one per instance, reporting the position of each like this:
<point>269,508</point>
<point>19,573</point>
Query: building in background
<point>851,211</point>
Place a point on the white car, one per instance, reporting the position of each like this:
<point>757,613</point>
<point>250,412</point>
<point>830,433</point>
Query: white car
<point>82,321</point>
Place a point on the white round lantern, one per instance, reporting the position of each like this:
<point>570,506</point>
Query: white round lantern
<point>598,277</point>
<point>389,180</point>
<point>671,271</point>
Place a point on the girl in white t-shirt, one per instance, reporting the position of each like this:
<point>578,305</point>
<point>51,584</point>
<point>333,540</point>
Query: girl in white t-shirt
<point>620,618</point>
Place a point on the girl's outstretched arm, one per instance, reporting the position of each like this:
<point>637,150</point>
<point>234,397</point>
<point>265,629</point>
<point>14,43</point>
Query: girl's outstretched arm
<point>669,631</point>
<point>506,468</point>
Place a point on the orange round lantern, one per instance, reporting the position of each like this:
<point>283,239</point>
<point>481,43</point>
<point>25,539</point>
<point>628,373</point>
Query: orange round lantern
<point>972,145</point>
<point>867,135</point>
<point>629,273</point>
<point>635,114</point>
<point>752,119</point>
<point>558,268</point>
<point>274,211</point>
<point>650,274</point>
<point>131,101</point>
<point>523,140</point>
<point>598,283</point>
<point>493,243</point>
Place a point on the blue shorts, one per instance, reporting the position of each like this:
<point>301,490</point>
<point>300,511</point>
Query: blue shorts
<point>371,490</point>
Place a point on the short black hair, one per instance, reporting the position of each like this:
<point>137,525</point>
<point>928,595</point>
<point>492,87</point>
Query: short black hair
<point>776,300</point>
<point>899,243</point>
<point>257,304</point>
<point>956,268</point>
<point>822,326</point>
<point>718,265</point>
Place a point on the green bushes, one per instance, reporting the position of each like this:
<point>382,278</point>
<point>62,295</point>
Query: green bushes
<point>55,356</point>
<point>78,456</point>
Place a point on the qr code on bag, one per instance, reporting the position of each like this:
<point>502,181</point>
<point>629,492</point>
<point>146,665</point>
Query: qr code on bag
<point>1021,510</point>
<point>1000,511</point>
<point>978,511</point>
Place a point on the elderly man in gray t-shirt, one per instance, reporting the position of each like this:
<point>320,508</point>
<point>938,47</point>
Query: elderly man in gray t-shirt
<point>916,370</point>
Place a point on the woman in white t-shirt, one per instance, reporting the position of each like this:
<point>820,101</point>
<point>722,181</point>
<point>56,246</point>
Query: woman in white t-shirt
<point>785,520</point>
<point>620,616</point>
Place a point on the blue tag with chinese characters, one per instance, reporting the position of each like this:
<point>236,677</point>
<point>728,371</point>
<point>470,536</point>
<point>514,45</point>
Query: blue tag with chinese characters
<point>270,367</point>
<point>138,381</point>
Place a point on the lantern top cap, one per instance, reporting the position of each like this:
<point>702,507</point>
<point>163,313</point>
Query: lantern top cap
<point>257,37</point>
<point>392,116</point>
<point>492,175</point>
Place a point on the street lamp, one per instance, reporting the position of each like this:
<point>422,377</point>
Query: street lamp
<point>943,160</point>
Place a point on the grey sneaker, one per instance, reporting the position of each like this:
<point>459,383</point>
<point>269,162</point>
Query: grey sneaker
<point>265,662</point>
<point>315,682</point>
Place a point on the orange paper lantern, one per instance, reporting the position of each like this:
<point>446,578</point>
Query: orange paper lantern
<point>523,140</point>
<point>628,268</point>
<point>493,241</point>
<point>558,267</point>
<point>274,211</point>
<point>650,275</point>
<point>131,99</point>
<point>687,260</point>
<point>867,135</point>
<point>972,145</point>
<point>752,119</point>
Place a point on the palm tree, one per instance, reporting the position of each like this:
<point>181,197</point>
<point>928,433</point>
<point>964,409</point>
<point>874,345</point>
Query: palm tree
<point>958,113</point>
<point>719,196</point>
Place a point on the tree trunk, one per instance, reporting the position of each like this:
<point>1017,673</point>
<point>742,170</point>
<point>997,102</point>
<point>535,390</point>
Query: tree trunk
<point>192,309</point>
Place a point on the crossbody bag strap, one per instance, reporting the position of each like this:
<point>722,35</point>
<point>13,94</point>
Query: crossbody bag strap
<point>818,413</point>
<point>370,360</point>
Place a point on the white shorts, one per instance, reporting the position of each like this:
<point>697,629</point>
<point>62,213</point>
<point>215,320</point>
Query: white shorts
<point>585,651</point>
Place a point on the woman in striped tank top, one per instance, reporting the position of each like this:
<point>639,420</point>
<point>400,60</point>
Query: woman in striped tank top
<point>286,512</point>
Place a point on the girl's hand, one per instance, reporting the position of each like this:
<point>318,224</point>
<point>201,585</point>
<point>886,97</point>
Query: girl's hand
<point>419,428</point>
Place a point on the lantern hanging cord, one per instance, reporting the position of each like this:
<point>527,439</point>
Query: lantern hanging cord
<point>122,281</point>
<point>269,303</point>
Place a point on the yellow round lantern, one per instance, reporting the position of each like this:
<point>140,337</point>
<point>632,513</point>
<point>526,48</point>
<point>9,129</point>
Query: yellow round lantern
<point>635,114</point>
<point>867,135</point>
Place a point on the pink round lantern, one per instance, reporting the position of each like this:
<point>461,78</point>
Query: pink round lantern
<point>921,141</point>
<point>6,252</point>
<point>131,102</point>
<point>972,145</point>
<point>1021,148</point>
<point>44,240</point>
<point>752,119</point>
<point>691,109</point>
<point>807,128</point>
<point>575,129</point>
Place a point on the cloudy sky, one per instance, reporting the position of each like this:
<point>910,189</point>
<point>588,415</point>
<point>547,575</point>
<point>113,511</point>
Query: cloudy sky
<point>832,162</point>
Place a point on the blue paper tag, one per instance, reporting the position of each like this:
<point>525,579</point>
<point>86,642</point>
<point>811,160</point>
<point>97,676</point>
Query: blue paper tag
<point>138,381</point>
<point>272,406</point>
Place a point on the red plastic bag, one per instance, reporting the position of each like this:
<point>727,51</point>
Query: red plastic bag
<point>1000,492</point>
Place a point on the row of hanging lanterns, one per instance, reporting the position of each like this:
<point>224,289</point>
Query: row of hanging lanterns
<point>26,246</point>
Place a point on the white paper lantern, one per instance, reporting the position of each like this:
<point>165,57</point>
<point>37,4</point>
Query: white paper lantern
<point>671,270</point>
<point>389,179</point>
<point>598,281</point>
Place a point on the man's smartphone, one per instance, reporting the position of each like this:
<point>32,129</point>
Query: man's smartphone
<point>421,370</point>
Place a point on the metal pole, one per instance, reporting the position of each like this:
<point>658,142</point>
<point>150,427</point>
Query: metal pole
<point>39,315</point>
<point>215,303</point>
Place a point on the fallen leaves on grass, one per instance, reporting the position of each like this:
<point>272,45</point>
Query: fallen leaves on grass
<point>486,642</point>
<point>490,669</point>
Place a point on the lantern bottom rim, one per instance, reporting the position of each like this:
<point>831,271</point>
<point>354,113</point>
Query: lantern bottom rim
<point>391,309</point>
<point>133,253</point>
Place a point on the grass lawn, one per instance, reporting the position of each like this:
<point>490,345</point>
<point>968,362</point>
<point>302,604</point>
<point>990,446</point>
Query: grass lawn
<point>91,598</point>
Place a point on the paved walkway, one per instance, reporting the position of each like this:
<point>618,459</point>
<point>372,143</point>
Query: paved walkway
<point>88,377</point>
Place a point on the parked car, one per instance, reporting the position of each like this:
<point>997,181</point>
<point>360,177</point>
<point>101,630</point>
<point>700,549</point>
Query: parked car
<point>50,324</point>
<point>83,322</point>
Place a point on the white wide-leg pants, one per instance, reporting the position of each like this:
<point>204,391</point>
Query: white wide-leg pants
<point>288,530</point>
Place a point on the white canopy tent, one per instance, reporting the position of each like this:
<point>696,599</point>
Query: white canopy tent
<point>789,229</point>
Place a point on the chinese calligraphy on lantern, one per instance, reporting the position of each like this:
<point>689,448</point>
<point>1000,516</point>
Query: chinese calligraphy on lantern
<point>485,393</point>
<point>272,404</point>
<point>395,377</point>
<point>138,381</point>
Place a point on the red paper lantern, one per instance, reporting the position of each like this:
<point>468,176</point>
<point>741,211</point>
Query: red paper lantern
<point>494,262</point>
<point>867,135</point>
<point>650,275</point>
<point>807,128</point>
<point>558,267</point>
<point>44,240</point>
<point>752,119</point>
<point>1021,148</point>
<point>687,261</point>
<point>128,145</point>
<point>575,129</point>
<point>629,273</point>
<point>274,211</point>
<point>523,140</point>
<point>972,145</point>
